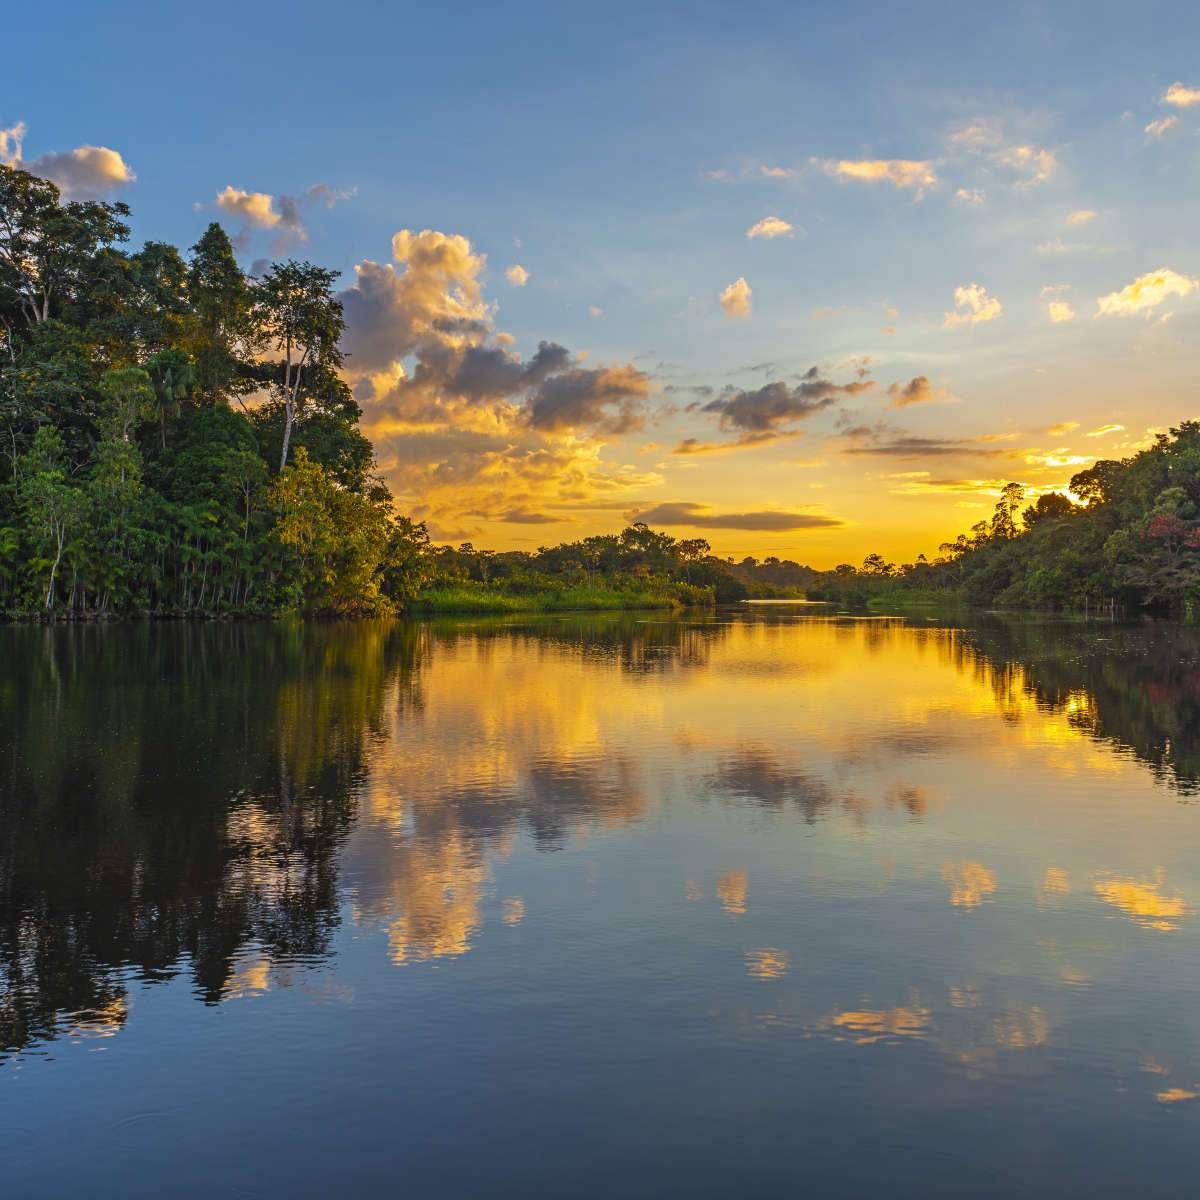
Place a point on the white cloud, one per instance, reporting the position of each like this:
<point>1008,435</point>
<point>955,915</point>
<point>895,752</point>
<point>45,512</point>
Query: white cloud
<point>594,310</point>
<point>517,275</point>
<point>735,299</point>
<point>1159,127</point>
<point>1081,216</point>
<point>1060,311</point>
<point>1037,164</point>
<point>261,210</point>
<point>252,208</point>
<point>985,136</point>
<point>85,173</point>
<point>970,196</point>
<point>769,227</point>
<point>777,172</point>
<point>1146,292</point>
<point>899,172</point>
<point>975,306</point>
<point>1181,96</point>
<point>11,140</point>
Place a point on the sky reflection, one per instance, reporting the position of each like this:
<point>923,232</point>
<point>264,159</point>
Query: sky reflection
<point>738,851</point>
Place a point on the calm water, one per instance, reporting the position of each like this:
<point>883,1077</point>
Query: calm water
<point>763,903</point>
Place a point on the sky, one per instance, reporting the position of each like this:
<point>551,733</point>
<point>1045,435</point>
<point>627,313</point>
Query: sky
<point>806,281</point>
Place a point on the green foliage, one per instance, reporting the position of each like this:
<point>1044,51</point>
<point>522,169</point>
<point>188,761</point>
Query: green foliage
<point>1132,543</point>
<point>637,568</point>
<point>128,482</point>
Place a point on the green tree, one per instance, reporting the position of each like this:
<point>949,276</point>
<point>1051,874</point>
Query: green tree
<point>300,321</point>
<point>219,324</point>
<point>129,396</point>
<point>53,508</point>
<point>49,251</point>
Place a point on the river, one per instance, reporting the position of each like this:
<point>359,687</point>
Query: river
<point>769,901</point>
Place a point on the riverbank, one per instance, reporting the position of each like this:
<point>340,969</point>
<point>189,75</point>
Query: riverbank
<point>469,600</point>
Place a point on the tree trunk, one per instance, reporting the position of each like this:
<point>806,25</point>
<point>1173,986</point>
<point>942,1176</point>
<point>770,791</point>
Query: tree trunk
<point>289,418</point>
<point>54,570</point>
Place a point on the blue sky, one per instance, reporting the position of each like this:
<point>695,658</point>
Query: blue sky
<point>620,154</point>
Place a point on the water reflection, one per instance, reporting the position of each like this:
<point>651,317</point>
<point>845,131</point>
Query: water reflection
<point>846,837</point>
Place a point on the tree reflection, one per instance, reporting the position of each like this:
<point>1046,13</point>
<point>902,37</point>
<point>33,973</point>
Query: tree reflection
<point>172,794</point>
<point>181,799</point>
<point>1136,687</point>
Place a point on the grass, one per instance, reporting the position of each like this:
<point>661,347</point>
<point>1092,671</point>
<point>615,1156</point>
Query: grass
<point>910,598</point>
<point>571,599</point>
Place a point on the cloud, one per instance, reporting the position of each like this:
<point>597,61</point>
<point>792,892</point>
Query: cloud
<point>922,483</point>
<point>985,137</point>
<point>777,172</point>
<point>977,135</point>
<point>517,275</point>
<point>435,302</point>
<point>899,172</point>
<point>1146,292</point>
<point>594,310</point>
<point>1159,127</point>
<point>85,173</point>
<point>975,304</point>
<point>775,404</point>
<point>463,425</point>
<point>701,516</point>
<point>747,441</point>
<point>261,210</point>
<point>1058,246</point>
<point>1060,428</point>
<point>524,516</point>
<point>252,208</point>
<point>1060,311</point>
<point>917,390</point>
<point>974,196</point>
<point>1081,216</point>
<point>1104,431</point>
<point>735,299</point>
<point>11,140</point>
<point>884,442</point>
<point>606,399</point>
<point>769,227</point>
<point>1037,164</point>
<point>1181,96</point>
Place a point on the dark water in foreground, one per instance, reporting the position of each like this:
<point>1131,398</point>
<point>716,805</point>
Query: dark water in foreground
<point>764,903</point>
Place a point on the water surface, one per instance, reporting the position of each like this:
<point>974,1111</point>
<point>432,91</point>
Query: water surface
<point>600,906</point>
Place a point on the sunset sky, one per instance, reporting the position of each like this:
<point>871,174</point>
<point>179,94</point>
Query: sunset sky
<point>806,281</point>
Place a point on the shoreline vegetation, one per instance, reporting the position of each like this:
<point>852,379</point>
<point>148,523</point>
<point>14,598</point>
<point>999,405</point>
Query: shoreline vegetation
<point>177,439</point>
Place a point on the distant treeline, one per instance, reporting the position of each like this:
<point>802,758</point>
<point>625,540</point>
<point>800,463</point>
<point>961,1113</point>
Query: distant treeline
<point>1131,542</point>
<point>637,568</point>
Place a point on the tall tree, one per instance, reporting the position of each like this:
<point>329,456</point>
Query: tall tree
<point>49,250</point>
<point>220,302</point>
<point>300,321</point>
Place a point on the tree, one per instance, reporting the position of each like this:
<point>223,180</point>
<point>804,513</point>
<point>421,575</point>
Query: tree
<point>1004,520</point>
<point>334,541</point>
<point>301,321</point>
<point>1053,506</point>
<point>49,250</point>
<point>130,400</point>
<point>219,321</point>
<point>115,493</point>
<point>53,509</point>
<point>172,376</point>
